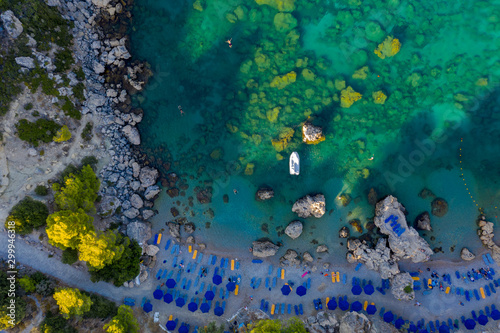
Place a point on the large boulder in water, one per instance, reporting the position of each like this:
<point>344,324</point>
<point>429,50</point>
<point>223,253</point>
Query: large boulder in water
<point>175,231</point>
<point>294,229</point>
<point>312,134</point>
<point>310,205</point>
<point>264,249</point>
<point>423,222</point>
<point>439,207</point>
<point>466,255</point>
<point>264,194</point>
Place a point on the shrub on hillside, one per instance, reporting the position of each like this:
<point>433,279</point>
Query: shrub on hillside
<point>41,130</point>
<point>41,190</point>
<point>28,214</point>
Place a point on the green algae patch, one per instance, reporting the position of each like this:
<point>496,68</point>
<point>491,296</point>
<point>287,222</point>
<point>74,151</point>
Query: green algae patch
<point>199,5</point>
<point>379,97</point>
<point>388,48</point>
<point>348,97</point>
<point>284,139</point>
<point>280,5</point>
<point>284,22</point>
<point>249,169</point>
<point>361,73</point>
<point>308,75</point>
<point>281,82</point>
<point>272,115</point>
<point>374,32</point>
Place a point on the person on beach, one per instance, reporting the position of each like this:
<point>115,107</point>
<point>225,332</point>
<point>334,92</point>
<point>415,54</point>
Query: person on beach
<point>229,42</point>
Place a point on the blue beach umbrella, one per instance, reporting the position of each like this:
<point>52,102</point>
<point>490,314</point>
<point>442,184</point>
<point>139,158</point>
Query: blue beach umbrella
<point>495,314</point>
<point>301,291</point>
<point>180,302</point>
<point>371,309</point>
<point>444,329</point>
<point>399,322</point>
<point>368,289</point>
<point>356,290</point>
<point>388,317</point>
<point>183,329</point>
<point>412,328</point>
<point>285,290</point>
<point>482,320</point>
<point>423,330</point>
<point>171,325</point>
<point>192,306</point>
<point>217,279</point>
<point>148,307</point>
<point>343,305</point>
<point>332,304</point>
<point>231,286</point>
<point>470,324</point>
<point>158,294</point>
<point>171,283</point>
<point>218,311</point>
<point>168,298</point>
<point>205,307</point>
<point>209,295</point>
<point>356,306</point>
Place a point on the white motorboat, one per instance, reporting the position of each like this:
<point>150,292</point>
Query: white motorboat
<point>294,163</point>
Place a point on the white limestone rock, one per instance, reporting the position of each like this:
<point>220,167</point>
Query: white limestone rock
<point>398,285</point>
<point>310,205</point>
<point>294,229</point>
<point>11,24</point>
<point>132,134</point>
<point>25,62</point>
<point>466,255</point>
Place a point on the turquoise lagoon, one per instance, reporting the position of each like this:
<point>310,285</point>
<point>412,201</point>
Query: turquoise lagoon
<point>438,128</point>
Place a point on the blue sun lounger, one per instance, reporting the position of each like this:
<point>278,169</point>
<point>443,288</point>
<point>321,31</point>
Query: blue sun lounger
<point>492,288</point>
<point>296,308</point>
<point>196,281</point>
<point>168,244</point>
<point>266,308</point>
<point>200,257</point>
<point>487,290</point>
<point>358,266</point>
<point>183,284</point>
<point>237,265</point>
<point>159,274</point>
<point>173,249</point>
<point>188,285</point>
<point>174,262</point>
<point>282,308</point>
<point>277,309</point>
<point>278,272</point>
<point>178,278</point>
<point>188,268</point>
<point>221,293</point>
<point>344,279</point>
<point>222,262</point>
<point>450,323</point>
<point>490,259</point>
<point>164,274</point>
<point>381,312</point>
<point>169,276</point>
<point>202,286</point>
<point>457,274</point>
<point>380,290</point>
<point>257,284</point>
<point>486,261</point>
<point>309,283</point>
<point>214,260</point>
<point>289,309</point>
<point>226,262</point>
<point>227,294</point>
<point>274,282</point>
<point>467,296</point>
<point>487,310</point>
<point>252,282</point>
<point>414,274</point>
<point>267,283</point>
<point>431,324</point>
<point>222,272</point>
<point>270,270</point>
<point>301,310</point>
<point>476,294</point>
<point>262,304</point>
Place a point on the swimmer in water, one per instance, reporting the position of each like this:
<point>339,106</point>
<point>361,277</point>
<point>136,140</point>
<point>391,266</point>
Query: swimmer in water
<point>371,158</point>
<point>180,109</point>
<point>235,191</point>
<point>229,42</point>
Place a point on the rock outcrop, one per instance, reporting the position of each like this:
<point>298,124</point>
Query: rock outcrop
<point>11,24</point>
<point>439,207</point>
<point>423,222</point>
<point>189,228</point>
<point>486,235</point>
<point>404,240</point>
<point>307,257</point>
<point>139,231</point>
<point>291,258</point>
<point>378,259</point>
<point>354,322</point>
<point>310,205</point>
<point>344,232</point>
<point>132,134</point>
<point>264,194</point>
<point>264,249</point>
<point>148,176</point>
<point>466,255</point>
<point>25,62</point>
<point>321,249</point>
<point>312,134</point>
<point>402,287</point>
<point>294,229</point>
<point>175,231</point>
<point>151,250</point>
<point>350,322</point>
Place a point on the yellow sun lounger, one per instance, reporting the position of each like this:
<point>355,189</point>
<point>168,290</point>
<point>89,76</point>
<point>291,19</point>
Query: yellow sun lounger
<point>195,254</point>
<point>447,290</point>
<point>272,308</point>
<point>327,300</point>
<point>338,276</point>
<point>236,289</point>
<point>159,239</point>
<point>282,274</point>
<point>190,249</point>
<point>365,305</point>
<point>416,278</point>
<point>333,277</point>
<point>232,264</point>
<point>171,317</point>
<point>482,292</point>
<point>429,283</point>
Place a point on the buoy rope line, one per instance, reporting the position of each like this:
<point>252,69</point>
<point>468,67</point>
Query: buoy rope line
<point>463,178</point>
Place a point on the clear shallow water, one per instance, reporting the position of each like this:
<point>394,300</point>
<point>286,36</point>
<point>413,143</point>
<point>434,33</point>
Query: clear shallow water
<point>443,95</point>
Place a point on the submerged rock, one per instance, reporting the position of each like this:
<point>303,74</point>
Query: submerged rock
<point>404,240</point>
<point>310,205</point>
<point>321,249</point>
<point>466,255</point>
<point>189,228</point>
<point>372,197</point>
<point>356,224</point>
<point>294,229</point>
<point>264,249</point>
<point>307,257</point>
<point>426,193</point>
<point>264,194</point>
<point>439,207</point>
<point>402,287</point>
<point>312,134</point>
<point>423,222</point>
<point>344,232</point>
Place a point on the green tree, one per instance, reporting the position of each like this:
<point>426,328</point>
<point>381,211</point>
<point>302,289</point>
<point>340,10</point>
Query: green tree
<point>101,308</point>
<point>123,322</point>
<point>20,304</point>
<point>28,284</point>
<point>72,302</point>
<point>78,191</point>
<point>123,269</point>
<point>295,325</point>
<point>63,134</point>
<point>65,228</point>
<point>27,214</point>
<point>69,256</point>
<point>267,326</point>
<point>41,190</point>
<point>55,323</point>
<point>41,130</point>
<point>99,249</point>
<point>212,328</point>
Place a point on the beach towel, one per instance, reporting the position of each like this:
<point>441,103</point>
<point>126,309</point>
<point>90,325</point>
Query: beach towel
<point>236,289</point>
<point>272,308</point>
<point>304,274</point>
<point>232,264</point>
<point>282,273</point>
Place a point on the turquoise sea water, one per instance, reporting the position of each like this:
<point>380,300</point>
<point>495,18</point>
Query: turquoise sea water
<point>438,128</point>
